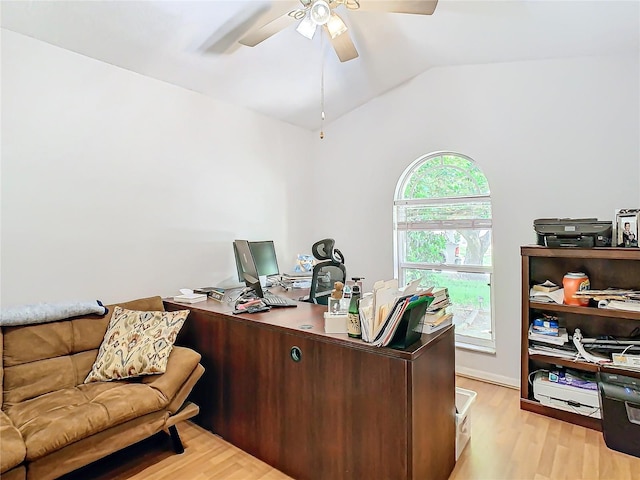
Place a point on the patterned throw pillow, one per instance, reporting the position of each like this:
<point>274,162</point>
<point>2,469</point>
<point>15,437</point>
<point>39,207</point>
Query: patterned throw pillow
<point>136,343</point>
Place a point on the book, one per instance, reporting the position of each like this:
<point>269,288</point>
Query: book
<point>551,332</point>
<point>440,299</point>
<point>431,328</point>
<point>560,339</point>
<point>207,290</point>
<point>547,286</point>
<point>440,305</point>
<point>435,315</point>
<point>439,320</point>
<point>190,298</point>
<point>545,326</point>
<point>439,292</point>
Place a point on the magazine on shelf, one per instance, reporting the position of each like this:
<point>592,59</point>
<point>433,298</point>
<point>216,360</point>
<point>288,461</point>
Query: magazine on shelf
<point>560,339</point>
<point>553,351</point>
<point>557,296</point>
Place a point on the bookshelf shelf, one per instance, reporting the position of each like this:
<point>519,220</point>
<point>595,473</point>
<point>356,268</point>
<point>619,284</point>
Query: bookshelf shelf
<point>606,268</point>
<point>589,311</point>
<point>564,362</point>
<point>575,418</point>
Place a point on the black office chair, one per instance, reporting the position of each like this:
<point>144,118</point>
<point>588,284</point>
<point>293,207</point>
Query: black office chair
<point>327,271</point>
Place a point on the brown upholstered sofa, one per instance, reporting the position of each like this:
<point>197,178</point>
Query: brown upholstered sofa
<point>52,423</point>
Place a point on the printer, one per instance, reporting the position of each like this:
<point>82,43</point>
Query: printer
<point>573,232</point>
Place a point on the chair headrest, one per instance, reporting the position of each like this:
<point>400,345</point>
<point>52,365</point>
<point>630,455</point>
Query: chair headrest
<point>323,249</point>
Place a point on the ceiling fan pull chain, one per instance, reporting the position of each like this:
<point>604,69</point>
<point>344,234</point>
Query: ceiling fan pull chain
<point>321,84</point>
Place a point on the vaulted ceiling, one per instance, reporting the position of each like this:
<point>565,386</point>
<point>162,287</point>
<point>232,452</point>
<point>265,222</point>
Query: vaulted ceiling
<point>281,77</point>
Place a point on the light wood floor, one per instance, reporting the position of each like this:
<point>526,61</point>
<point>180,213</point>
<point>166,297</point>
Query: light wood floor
<point>506,443</point>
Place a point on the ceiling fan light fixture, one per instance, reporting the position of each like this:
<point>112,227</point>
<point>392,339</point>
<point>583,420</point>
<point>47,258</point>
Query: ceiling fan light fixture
<point>320,12</point>
<point>336,26</point>
<point>307,27</point>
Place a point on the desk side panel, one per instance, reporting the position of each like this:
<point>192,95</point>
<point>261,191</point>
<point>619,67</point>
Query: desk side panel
<point>202,332</point>
<point>433,430</point>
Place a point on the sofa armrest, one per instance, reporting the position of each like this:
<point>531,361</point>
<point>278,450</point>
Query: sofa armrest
<point>182,362</point>
<point>12,447</point>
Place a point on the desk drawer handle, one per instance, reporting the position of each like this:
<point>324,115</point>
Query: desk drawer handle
<point>296,354</point>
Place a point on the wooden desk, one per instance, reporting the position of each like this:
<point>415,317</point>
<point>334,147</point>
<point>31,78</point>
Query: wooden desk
<point>346,410</point>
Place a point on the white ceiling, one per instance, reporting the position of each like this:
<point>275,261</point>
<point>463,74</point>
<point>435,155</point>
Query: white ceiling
<point>281,76</point>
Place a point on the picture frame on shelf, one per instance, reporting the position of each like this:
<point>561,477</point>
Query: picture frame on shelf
<point>625,227</point>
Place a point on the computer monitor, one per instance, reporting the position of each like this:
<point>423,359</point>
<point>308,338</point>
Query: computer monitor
<point>239,269</point>
<point>246,266</point>
<point>264,256</point>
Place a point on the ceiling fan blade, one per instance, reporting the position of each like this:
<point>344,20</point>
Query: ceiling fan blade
<point>275,20</point>
<point>344,47</point>
<point>418,7</point>
<point>225,38</point>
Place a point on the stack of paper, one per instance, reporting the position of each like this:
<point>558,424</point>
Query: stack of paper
<point>431,326</point>
<point>190,297</point>
<point>556,296</point>
<point>628,305</point>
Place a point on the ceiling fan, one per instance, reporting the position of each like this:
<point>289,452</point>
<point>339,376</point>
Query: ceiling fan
<point>312,14</point>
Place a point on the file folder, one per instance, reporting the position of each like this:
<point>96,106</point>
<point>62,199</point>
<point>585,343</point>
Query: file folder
<point>408,331</point>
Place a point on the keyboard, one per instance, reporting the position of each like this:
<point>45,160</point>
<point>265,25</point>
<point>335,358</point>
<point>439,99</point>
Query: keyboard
<point>272,300</point>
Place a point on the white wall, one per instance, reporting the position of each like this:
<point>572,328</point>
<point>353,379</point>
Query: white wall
<point>555,138</point>
<point>116,186</point>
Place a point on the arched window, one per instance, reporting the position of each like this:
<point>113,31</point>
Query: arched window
<point>442,230</point>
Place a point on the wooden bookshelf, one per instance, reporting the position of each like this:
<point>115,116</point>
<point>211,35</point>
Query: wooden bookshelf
<point>606,268</point>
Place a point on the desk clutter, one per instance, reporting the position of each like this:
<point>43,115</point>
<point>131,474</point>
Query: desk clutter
<point>389,315</point>
<point>189,296</point>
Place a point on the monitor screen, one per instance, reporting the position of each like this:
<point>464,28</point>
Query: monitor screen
<point>245,262</point>
<point>264,255</point>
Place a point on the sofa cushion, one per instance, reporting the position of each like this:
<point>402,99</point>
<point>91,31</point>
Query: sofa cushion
<point>50,422</point>
<point>11,444</point>
<point>136,343</point>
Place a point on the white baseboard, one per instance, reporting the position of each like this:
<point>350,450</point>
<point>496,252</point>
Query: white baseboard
<point>488,377</point>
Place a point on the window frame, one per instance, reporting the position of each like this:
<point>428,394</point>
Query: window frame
<point>463,341</point>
